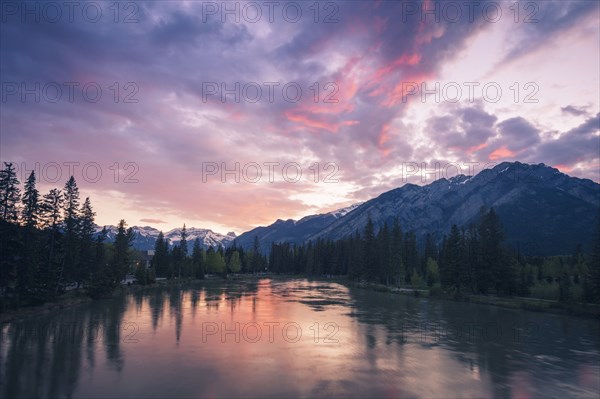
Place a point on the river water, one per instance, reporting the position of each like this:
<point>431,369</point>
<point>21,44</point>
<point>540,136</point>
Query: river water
<point>295,338</point>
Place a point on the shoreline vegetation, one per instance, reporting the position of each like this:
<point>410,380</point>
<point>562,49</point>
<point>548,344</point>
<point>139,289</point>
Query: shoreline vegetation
<point>79,297</point>
<point>52,255</point>
<point>585,310</point>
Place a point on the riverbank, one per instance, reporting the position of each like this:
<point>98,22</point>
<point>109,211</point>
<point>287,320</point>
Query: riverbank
<point>75,298</point>
<point>584,310</point>
<point>78,297</point>
<point>70,299</point>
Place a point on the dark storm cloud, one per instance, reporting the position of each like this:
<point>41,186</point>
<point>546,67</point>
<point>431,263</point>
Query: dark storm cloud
<point>580,144</point>
<point>517,133</point>
<point>462,129</point>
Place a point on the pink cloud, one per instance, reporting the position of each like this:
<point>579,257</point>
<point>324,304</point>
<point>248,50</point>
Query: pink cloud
<point>501,153</point>
<point>404,59</point>
<point>384,137</point>
<point>316,124</point>
<point>475,148</point>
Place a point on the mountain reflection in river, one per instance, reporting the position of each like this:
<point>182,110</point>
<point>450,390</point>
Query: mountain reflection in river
<point>295,338</point>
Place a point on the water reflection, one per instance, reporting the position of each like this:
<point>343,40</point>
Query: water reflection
<point>295,338</point>
<point>43,357</point>
<point>508,353</point>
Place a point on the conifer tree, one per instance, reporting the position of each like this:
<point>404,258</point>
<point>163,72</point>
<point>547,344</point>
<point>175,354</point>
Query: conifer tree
<point>410,254</point>
<point>30,249</point>
<point>121,256</point>
<point>429,252</point>
<point>594,264</point>
<point>198,259</point>
<point>102,281</point>
<point>51,210</point>
<point>385,255</point>
<point>369,251</point>
<point>256,264</point>
<point>450,264</point>
<point>9,193</point>
<point>10,243</point>
<point>31,202</point>
<point>51,220</point>
<point>495,270</point>
<point>160,261</point>
<point>69,270</point>
<point>86,242</point>
<point>397,257</point>
<point>182,253</point>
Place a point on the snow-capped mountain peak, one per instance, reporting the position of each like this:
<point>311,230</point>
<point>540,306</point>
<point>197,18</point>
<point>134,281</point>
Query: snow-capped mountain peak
<point>145,237</point>
<point>338,213</point>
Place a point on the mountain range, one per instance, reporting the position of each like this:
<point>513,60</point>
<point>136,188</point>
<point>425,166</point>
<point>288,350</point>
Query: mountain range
<point>292,231</point>
<point>145,237</point>
<point>543,211</point>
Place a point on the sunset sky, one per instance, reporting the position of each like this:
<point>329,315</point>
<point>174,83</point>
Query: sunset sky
<point>172,57</point>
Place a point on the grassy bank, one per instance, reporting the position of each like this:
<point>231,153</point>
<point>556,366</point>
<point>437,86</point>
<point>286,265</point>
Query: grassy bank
<point>539,305</point>
<point>69,299</point>
<point>521,303</point>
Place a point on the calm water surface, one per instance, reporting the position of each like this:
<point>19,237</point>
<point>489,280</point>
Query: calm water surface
<point>296,338</point>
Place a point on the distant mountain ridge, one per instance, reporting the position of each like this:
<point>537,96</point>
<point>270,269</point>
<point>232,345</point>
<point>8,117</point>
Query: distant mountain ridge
<point>289,230</point>
<point>292,231</point>
<point>543,212</point>
<point>145,237</point>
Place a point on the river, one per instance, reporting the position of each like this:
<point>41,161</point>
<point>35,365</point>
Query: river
<point>295,338</point>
